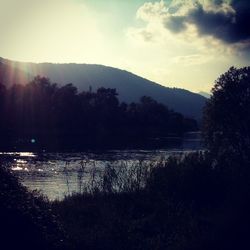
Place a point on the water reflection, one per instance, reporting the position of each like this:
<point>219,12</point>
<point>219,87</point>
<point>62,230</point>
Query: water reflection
<point>27,154</point>
<point>58,174</point>
<point>21,154</point>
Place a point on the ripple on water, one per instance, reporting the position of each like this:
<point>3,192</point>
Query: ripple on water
<point>57,174</point>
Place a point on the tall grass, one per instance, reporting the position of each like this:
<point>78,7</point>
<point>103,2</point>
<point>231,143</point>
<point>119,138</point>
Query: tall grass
<point>116,177</point>
<point>178,204</point>
<point>148,205</point>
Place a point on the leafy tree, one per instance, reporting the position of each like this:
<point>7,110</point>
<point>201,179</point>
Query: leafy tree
<point>227,116</point>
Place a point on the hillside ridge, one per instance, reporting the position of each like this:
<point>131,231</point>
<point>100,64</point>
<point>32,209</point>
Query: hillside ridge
<point>129,86</point>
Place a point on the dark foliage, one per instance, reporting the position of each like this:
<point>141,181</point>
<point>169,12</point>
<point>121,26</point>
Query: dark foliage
<point>227,116</point>
<point>27,220</point>
<point>42,115</point>
<point>186,204</point>
<point>190,179</point>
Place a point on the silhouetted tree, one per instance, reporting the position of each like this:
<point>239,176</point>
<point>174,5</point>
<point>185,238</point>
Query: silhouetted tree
<point>227,114</point>
<point>226,126</point>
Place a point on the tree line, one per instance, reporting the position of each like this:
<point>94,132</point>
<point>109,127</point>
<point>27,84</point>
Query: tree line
<point>44,115</point>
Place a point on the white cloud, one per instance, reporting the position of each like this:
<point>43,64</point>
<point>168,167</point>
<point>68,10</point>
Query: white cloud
<point>163,24</point>
<point>152,11</point>
<point>185,58</point>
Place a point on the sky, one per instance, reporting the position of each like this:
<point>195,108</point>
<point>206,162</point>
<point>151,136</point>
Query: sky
<point>177,43</point>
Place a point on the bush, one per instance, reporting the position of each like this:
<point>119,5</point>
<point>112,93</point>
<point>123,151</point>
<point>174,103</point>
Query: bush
<point>176,208</point>
<point>27,221</point>
<point>189,179</point>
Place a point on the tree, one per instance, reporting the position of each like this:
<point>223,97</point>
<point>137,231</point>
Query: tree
<point>58,117</point>
<point>226,126</point>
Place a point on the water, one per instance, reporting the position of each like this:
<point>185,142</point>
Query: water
<point>57,174</point>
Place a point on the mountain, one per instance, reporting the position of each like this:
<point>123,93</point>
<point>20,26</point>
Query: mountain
<point>205,94</point>
<point>10,75</point>
<point>129,86</point>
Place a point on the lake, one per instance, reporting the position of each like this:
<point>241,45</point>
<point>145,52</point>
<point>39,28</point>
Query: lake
<point>57,174</point>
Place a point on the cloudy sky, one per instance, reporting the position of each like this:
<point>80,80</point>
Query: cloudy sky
<point>177,43</point>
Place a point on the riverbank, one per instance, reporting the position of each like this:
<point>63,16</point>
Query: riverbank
<point>57,174</point>
<point>184,204</point>
<point>178,204</point>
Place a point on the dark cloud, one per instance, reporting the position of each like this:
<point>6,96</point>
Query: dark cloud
<point>176,23</point>
<point>242,25</point>
<point>229,23</point>
<point>217,2</point>
<point>218,24</point>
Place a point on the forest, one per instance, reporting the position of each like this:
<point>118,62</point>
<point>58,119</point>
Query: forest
<point>45,116</point>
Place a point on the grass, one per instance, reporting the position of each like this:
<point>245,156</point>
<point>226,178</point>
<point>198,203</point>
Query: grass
<point>179,204</point>
<point>171,205</point>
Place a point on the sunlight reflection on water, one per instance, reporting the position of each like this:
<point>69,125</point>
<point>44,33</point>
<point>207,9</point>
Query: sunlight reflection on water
<point>21,154</point>
<point>57,174</point>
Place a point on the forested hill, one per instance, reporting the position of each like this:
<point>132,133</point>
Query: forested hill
<point>129,86</point>
<point>10,75</point>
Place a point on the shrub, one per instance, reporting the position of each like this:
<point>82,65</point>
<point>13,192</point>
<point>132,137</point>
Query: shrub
<point>189,179</point>
<point>27,221</point>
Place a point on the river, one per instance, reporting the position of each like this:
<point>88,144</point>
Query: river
<point>57,174</point>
